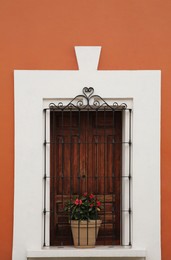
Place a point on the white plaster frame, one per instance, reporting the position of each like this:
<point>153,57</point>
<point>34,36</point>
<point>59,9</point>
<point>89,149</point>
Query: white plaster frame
<point>31,89</point>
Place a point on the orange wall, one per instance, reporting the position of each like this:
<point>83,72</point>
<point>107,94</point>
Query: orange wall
<point>40,34</point>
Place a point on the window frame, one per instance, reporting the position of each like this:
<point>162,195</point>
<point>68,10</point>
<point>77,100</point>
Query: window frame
<point>126,107</point>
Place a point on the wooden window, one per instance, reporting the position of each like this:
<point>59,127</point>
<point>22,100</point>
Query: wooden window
<point>86,156</point>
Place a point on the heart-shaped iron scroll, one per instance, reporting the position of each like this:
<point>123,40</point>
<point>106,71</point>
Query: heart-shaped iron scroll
<point>88,91</point>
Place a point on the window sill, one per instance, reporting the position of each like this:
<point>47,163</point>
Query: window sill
<point>99,251</point>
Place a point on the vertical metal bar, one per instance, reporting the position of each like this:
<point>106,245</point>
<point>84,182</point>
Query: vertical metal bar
<point>130,167</point>
<point>96,164</point>
<point>44,210</point>
<point>63,158</point>
<point>104,118</point>
<point>120,180</point>
<point>71,155</point>
<point>95,174</point>
<point>87,146</point>
<point>79,142</point>
<point>53,172</point>
<point>87,159</point>
<point>71,160</point>
<point>96,153</point>
<point>113,176</point>
<point>63,147</point>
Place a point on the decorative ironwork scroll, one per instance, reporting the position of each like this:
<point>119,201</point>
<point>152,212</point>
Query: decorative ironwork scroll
<point>88,100</point>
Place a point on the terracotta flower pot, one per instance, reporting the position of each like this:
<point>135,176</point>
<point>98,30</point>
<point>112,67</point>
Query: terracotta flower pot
<point>85,232</point>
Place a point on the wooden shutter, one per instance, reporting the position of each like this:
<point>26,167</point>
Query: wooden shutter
<point>85,156</point>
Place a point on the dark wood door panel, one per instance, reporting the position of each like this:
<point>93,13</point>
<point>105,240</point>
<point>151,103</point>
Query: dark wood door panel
<point>86,155</point>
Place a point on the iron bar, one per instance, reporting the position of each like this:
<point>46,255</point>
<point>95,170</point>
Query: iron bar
<point>96,144</point>
<point>113,175</point>
<point>91,142</point>
<point>104,174</point>
<point>44,210</point>
<point>53,149</point>
<point>130,168</point>
<point>71,163</point>
<point>121,223</point>
<point>79,186</point>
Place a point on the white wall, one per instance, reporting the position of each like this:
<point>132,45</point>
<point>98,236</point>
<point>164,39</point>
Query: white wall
<point>31,89</point>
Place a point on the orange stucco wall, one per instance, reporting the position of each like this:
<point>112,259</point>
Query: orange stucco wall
<point>40,34</point>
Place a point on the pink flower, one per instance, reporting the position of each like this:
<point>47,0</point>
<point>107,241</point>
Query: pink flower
<point>91,205</point>
<point>85,194</point>
<point>98,203</point>
<point>91,196</point>
<point>76,202</point>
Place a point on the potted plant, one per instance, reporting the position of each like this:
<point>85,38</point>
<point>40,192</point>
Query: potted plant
<point>84,218</point>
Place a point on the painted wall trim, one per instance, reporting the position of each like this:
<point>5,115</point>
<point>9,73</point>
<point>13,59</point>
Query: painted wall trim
<point>100,251</point>
<point>88,57</point>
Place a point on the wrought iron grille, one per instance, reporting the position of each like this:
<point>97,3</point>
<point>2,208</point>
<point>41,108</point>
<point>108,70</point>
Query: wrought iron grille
<point>86,151</point>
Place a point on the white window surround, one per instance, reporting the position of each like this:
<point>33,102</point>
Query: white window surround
<point>100,253</point>
<point>31,89</point>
